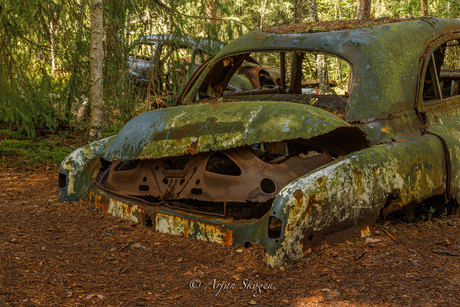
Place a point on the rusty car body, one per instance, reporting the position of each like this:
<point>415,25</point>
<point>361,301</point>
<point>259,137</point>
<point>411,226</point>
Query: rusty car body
<point>280,168</point>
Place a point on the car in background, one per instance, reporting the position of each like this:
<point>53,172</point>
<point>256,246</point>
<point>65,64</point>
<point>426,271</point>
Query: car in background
<point>269,164</point>
<point>164,62</point>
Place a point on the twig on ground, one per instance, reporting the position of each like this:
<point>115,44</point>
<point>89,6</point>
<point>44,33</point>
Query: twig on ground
<point>125,246</point>
<point>385,231</point>
<point>446,253</point>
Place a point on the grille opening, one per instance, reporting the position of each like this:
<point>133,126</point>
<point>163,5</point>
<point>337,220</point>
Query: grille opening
<point>220,163</point>
<point>165,180</point>
<point>62,180</point>
<point>144,179</point>
<point>268,186</point>
<point>196,191</point>
<point>274,227</point>
<point>127,165</point>
<point>235,210</point>
<point>144,188</point>
<point>182,181</point>
<point>176,163</point>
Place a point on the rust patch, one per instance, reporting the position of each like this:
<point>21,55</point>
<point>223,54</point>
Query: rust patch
<point>358,175</point>
<point>228,237</point>
<point>366,232</point>
<point>394,205</point>
<point>191,149</point>
<point>298,195</point>
<point>312,200</point>
<point>386,129</point>
<point>97,200</point>
<point>320,180</point>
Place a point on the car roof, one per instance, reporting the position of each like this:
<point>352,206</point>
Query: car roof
<point>385,56</point>
<point>205,44</point>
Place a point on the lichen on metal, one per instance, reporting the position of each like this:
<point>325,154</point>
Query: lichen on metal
<point>75,165</point>
<point>350,192</point>
<point>204,127</point>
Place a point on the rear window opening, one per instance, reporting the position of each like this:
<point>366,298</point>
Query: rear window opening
<point>442,76</point>
<point>304,77</point>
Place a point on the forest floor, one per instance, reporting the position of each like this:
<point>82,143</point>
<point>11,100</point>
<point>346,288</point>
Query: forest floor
<point>73,254</point>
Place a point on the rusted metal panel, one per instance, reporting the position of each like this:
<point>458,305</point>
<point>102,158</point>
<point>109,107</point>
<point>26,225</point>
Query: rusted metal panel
<point>204,127</point>
<point>397,126</point>
<point>219,230</point>
<point>343,199</point>
<point>443,120</point>
<point>195,181</point>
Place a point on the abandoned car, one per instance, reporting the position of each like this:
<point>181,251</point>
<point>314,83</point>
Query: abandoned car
<point>287,170</point>
<point>163,62</point>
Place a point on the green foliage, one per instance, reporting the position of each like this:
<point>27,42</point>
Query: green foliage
<point>45,48</point>
<point>430,213</point>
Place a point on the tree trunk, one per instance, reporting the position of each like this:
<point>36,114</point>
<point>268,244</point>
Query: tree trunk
<point>211,11</point>
<point>53,62</point>
<point>312,10</point>
<point>425,8</point>
<point>364,9</point>
<point>320,58</point>
<point>262,15</point>
<point>297,11</point>
<point>322,74</point>
<point>96,58</point>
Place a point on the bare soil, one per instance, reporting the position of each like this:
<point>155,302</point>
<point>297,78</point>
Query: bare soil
<point>72,254</point>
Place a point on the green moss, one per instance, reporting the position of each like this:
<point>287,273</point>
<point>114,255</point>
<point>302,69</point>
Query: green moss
<point>11,134</point>
<point>33,151</point>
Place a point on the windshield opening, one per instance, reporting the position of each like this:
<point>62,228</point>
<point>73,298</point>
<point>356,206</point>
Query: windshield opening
<point>306,77</point>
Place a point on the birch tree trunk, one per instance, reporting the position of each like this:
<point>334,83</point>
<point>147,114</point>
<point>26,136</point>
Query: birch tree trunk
<point>297,11</point>
<point>320,58</point>
<point>425,8</point>
<point>96,58</point>
<point>364,9</point>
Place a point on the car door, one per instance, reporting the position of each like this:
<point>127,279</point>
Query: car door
<point>439,102</point>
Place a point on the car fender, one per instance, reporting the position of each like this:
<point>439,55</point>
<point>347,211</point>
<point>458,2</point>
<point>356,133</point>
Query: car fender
<point>74,173</point>
<point>344,198</point>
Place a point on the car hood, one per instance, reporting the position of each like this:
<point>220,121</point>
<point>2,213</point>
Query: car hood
<point>197,128</point>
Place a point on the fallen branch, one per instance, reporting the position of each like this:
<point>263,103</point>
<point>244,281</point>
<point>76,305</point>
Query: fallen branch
<point>64,143</point>
<point>446,253</point>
